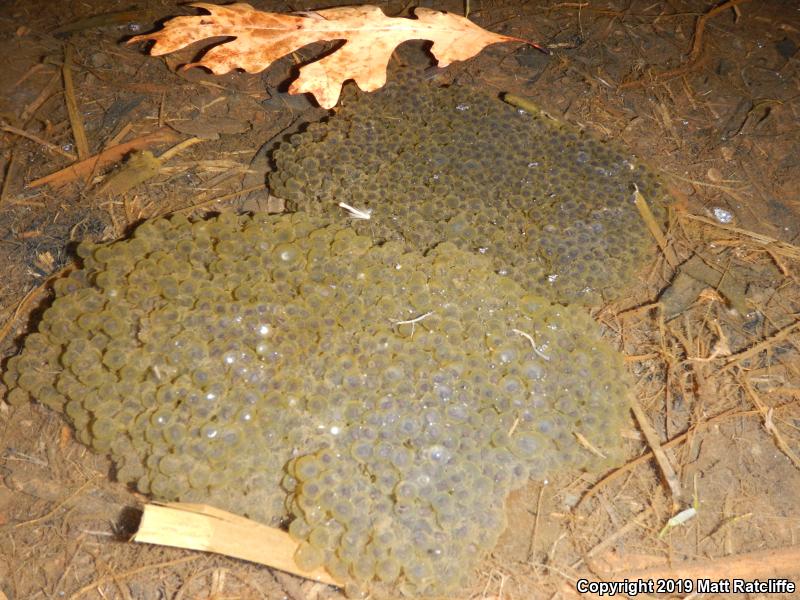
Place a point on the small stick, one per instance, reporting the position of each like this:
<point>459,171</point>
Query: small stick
<point>119,137</point>
<point>109,144</point>
<point>161,109</point>
<point>58,506</point>
<point>84,168</point>
<point>648,455</point>
<point>588,445</point>
<point>46,92</point>
<point>167,154</point>
<point>529,106</point>
<point>534,534</point>
<point>209,529</point>
<point>653,227</point>
<point>10,170</point>
<point>762,345</point>
<point>658,452</point>
<point>38,140</point>
<point>75,120</point>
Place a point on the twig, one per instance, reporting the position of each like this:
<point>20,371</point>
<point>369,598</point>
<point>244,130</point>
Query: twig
<point>111,155</point>
<point>652,226</point>
<point>58,506</point>
<point>588,445</point>
<point>762,345</point>
<point>120,135</point>
<point>209,529</point>
<point>167,154</point>
<point>75,120</point>
<point>46,92</point>
<point>9,174</point>
<point>696,52</point>
<point>109,144</point>
<point>648,455</point>
<point>529,106</point>
<point>162,109</point>
<point>534,534</point>
<point>38,140</point>
<point>658,452</point>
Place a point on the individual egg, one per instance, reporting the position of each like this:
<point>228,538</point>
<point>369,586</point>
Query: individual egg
<point>309,557</point>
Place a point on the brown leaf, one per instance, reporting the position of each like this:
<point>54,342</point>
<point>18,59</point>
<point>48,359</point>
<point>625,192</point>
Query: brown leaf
<point>370,38</point>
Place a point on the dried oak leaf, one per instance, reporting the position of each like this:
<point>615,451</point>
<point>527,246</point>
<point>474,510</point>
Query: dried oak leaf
<point>370,38</point>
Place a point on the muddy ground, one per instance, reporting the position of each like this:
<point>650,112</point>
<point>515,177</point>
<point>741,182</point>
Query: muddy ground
<point>711,101</point>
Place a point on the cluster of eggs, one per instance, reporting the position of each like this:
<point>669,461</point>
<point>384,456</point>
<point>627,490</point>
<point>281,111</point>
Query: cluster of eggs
<point>382,402</point>
<point>551,205</point>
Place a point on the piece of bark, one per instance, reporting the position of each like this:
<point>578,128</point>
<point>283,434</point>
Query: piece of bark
<point>209,529</point>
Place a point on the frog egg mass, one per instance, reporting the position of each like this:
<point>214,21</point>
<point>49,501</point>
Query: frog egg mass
<point>378,400</point>
<point>548,203</point>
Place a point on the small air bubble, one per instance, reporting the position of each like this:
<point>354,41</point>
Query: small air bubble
<point>722,215</point>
